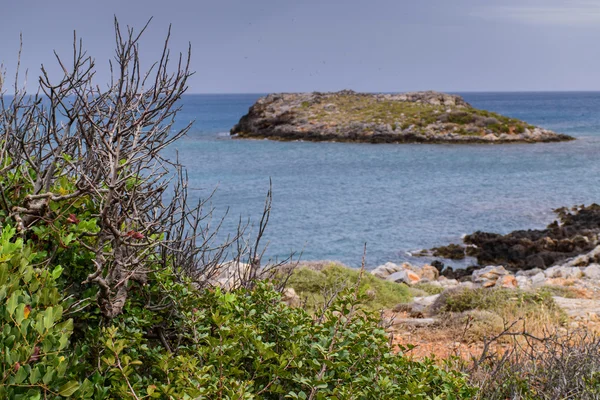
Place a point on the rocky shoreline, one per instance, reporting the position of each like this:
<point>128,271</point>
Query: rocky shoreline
<point>574,233</point>
<point>347,116</point>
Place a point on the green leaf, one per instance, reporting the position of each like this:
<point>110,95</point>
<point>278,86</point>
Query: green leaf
<point>35,375</point>
<point>57,271</point>
<point>49,318</point>
<point>68,388</point>
<point>13,302</point>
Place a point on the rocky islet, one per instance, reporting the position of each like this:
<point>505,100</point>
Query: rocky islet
<point>417,117</point>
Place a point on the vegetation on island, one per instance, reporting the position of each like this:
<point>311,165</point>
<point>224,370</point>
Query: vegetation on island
<point>402,115</point>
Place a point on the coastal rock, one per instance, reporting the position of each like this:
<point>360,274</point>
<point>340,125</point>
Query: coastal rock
<point>426,117</point>
<point>538,280</point>
<point>573,237</point>
<point>419,307</point>
<point>385,270</point>
<point>592,271</point>
<point>529,272</point>
<point>507,282</point>
<point>566,272</point>
<point>429,272</point>
<point>523,282</point>
<point>405,276</point>
<point>488,276</point>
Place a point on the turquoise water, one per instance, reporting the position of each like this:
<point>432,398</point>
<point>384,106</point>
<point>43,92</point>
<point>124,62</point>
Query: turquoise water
<point>331,198</point>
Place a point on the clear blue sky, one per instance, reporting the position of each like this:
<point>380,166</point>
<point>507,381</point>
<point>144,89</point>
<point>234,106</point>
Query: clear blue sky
<point>304,45</point>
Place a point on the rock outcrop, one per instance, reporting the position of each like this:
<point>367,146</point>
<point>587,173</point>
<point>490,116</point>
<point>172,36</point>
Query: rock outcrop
<point>574,233</point>
<point>424,117</point>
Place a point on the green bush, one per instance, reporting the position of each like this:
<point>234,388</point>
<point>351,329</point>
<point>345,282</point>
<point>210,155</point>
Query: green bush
<point>34,338</point>
<point>246,344</point>
<point>316,286</point>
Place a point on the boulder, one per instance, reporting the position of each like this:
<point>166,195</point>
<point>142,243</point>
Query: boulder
<point>419,307</point>
<point>404,276</point>
<point>529,272</point>
<point>524,282</point>
<point>538,280</point>
<point>562,271</point>
<point>507,282</point>
<point>592,271</point>
<point>429,272</point>
<point>447,283</point>
<point>385,270</point>
<point>229,275</point>
<point>487,277</point>
<point>290,297</point>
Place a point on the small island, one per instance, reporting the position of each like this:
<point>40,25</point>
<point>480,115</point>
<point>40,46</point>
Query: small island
<point>348,116</point>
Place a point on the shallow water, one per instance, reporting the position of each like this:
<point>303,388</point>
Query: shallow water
<point>331,198</point>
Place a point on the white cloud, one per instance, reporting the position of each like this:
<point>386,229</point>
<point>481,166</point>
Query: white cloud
<point>564,12</point>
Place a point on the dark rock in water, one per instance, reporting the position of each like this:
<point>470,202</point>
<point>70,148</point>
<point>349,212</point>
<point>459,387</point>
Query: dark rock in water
<point>419,117</point>
<point>575,233</point>
<point>437,264</point>
<point>450,252</point>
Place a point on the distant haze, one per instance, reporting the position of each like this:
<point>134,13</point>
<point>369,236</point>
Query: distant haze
<point>246,46</point>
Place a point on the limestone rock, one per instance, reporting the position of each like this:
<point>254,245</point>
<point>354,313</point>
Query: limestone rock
<point>429,272</point>
<point>290,297</point>
<point>592,271</point>
<point>385,270</point>
<point>524,282</point>
<point>419,307</point>
<point>507,281</point>
<point>404,276</point>
<point>487,277</point>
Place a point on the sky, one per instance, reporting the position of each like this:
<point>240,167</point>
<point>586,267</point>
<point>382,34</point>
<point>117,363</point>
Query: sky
<point>260,46</point>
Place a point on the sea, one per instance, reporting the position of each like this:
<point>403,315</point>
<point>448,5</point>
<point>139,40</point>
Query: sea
<point>330,200</point>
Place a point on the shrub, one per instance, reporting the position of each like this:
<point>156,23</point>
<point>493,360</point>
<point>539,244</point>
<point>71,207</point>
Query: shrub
<point>247,344</point>
<point>537,309</point>
<point>316,286</point>
<point>33,335</point>
<point>553,366</point>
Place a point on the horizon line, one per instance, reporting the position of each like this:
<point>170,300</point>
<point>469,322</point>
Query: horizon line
<point>385,92</point>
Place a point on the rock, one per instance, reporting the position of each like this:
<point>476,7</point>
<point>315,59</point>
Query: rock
<point>419,307</point>
<point>573,239</point>
<point>290,297</point>
<point>487,277</point>
<point>385,270</point>
<point>507,281</point>
<point>467,285</point>
<point>524,282</point>
<point>428,117</point>
<point>437,264</point>
<point>429,272</point>
<point>404,276</point>
<point>529,272</point>
<point>448,283</point>
<point>592,271</point>
<point>229,275</point>
<point>451,252</point>
<point>578,308</point>
<point>538,280</point>
<point>566,272</point>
